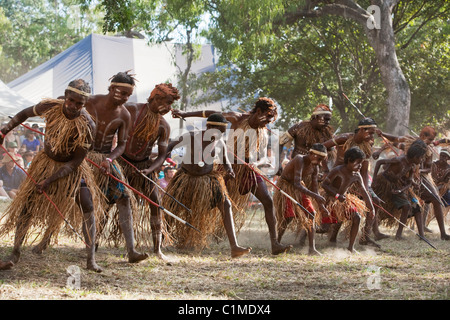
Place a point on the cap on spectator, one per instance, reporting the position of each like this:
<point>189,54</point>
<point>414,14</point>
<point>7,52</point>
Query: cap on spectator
<point>12,144</point>
<point>7,158</point>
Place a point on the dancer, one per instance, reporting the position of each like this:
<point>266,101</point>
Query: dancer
<point>427,188</point>
<point>299,180</point>
<point>394,186</point>
<point>149,128</point>
<point>343,205</point>
<point>306,133</point>
<point>200,187</point>
<point>60,171</point>
<point>113,119</point>
<point>249,139</point>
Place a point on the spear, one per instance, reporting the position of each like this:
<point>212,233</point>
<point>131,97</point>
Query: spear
<point>273,184</point>
<point>357,109</point>
<point>157,185</point>
<point>146,198</point>
<point>133,189</point>
<point>48,198</point>
<point>421,237</point>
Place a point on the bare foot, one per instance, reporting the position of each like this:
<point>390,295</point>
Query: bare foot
<point>15,256</point>
<point>314,252</point>
<point>6,265</point>
<point>239,251</point>
<point>38,249</point>
<point>426,229</point>
<point>94,267</point>
<point>380,236</point>
<point>164,258</point>
<point>278,248</point>
<point>398,237</point>
<point>352,250</point>
<point>135,257</point>
<point>445,237</point>
<point>368,242</point>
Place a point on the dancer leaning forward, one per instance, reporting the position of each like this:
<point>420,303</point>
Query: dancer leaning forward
<point>200,187</point>
<point>299,179</point>
<point>59,172</point>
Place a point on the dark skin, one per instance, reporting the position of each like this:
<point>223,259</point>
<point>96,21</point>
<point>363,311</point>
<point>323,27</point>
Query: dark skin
<point>73,108</point>
<point>258,119</point>
<point>137,149</point>
<point>113,118</point>
<point>362,135</point>
<point>208,145</point>
<point>425,168</point>
<point>298,169</point>
<point>441,169</point>
<point>319,123</point>
<point>401,169</point>
<point>338,181</point>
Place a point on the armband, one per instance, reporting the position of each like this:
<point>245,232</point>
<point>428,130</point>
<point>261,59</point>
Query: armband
<point>109,160</point>
<point>337,195</point>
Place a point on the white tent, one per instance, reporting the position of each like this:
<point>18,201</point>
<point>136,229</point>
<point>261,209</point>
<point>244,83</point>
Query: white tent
<point>11,102</point>
<point>97,58</point>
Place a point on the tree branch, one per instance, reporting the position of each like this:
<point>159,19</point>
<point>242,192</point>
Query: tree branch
<point>356,13</point>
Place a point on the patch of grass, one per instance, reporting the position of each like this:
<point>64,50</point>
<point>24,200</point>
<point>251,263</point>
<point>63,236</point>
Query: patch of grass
<point>408,269</point>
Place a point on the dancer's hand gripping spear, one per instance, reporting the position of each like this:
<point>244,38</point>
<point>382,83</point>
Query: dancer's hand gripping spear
<point>133,189</point>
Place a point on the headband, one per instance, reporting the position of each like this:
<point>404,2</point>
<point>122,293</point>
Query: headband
<point>368,126</point>
<point>445,152</point>
<point>214,123</point>
<point>78,91</point>
<point>323,154</point>
<point>321,112</point>
<point>120,84</point>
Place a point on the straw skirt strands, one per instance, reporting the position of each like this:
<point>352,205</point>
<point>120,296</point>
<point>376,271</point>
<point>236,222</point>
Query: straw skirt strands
<point>112,190</point>
<point>62,192</point>
<point>245,142</point>
<point>383,188</point>
<point>202,194</point>
<point>342,212</point>
<point>64,136</point>
<point>301,219</point>
<point>142,222</point>
<point>310,135</point>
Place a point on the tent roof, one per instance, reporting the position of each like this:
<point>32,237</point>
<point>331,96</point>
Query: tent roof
<point>97,58</point>
<point>11,102</point>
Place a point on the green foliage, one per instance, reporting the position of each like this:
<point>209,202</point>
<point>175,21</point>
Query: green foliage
<point>37,30</point>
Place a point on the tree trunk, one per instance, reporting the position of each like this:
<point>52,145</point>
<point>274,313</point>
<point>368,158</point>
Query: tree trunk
<point>398,101</point>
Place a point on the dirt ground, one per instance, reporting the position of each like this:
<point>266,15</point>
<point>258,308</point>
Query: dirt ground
<point>401,270</point>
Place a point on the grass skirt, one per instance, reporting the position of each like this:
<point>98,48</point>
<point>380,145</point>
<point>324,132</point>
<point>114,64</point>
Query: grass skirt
<point>343,212</point>
<point>302,219</point>
<point>141,216</point>
<point>109,231</point>
<point>202,195</point>
<point>62,192</point>
<point>383,189</point>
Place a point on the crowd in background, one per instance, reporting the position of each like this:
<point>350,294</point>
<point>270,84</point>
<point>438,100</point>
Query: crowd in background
<point>23,144</point>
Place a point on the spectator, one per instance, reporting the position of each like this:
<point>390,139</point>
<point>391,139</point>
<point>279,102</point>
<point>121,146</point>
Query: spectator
<point>13,149</point>
<point>30,143</point>
<point>38,136</point>
<point>11,176</point>
<point>12,136</point>
<point>169,172</point>
<point>27,158</point>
